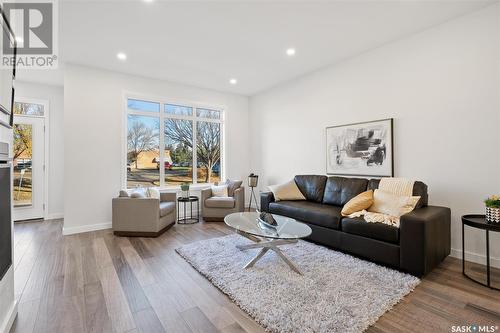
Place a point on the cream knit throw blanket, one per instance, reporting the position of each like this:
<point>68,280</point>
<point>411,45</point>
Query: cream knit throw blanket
<point>396,186</point>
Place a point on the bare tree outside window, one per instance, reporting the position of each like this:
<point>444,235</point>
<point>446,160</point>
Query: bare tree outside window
<point>28,109</point>
<point>143,152</point>
<point>208,149</point>
<point>23,158</point>
<point>179,144</point>
<point>140,138</point>
<point>23,143</point>
<point>189,134</point>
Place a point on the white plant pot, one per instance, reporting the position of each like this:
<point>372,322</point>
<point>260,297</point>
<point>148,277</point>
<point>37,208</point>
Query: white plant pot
<point>493,215</point>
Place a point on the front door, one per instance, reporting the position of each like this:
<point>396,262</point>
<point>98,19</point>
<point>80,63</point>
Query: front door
<point>29,167</point>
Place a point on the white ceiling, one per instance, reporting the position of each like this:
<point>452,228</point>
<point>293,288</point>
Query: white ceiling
<point>206,43</point>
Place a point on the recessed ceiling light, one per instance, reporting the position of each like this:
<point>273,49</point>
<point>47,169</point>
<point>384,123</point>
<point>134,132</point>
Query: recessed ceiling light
<point>290,52</point>
<point>148,0</point>
<point>121,56</point>
<point>233,81</point>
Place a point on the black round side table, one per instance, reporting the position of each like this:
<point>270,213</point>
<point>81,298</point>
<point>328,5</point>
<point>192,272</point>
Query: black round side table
<point>185,219</point>
<point>479,222</point>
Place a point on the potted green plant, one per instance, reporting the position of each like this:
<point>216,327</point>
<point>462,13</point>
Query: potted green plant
<point>493,209</point>
<point>185,190</point>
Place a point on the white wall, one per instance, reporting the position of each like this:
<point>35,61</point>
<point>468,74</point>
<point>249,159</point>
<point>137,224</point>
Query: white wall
<point>442,87</point>
<point>55,96</point>
<point>93,124</point>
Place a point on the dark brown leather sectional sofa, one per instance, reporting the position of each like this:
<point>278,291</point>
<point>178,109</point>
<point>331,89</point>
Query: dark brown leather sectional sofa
<point>420,243</point>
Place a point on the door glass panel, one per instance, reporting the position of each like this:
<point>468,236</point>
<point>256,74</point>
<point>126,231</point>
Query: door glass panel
<point>28,109</point>
<point>208,152</point>
<point>178,151</point>
<point>143,152</point>
<point>23,156</point>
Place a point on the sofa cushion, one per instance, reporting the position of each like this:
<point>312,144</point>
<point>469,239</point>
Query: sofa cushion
<point>380,231</point>
<point>166,208</point>
<point>339,190</point>
<point>220,202</point>
<point>419,189</point>
<point>307,211</point>
<point>311,186</point>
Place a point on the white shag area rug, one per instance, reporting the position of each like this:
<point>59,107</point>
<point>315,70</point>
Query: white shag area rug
<point>337,293</point>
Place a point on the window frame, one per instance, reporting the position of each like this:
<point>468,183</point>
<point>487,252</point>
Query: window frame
<point>162,116</point>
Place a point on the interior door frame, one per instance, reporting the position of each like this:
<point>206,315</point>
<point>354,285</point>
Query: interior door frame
<point>46,131</point>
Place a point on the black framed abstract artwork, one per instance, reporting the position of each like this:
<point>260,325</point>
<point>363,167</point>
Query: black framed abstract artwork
<point>361,149</point>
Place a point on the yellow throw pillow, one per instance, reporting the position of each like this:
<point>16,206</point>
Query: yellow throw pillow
<point>287,191</point>
<point>358,203</point>
<point>391,204</point>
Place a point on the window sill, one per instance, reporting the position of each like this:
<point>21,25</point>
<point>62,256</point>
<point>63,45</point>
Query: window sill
<point>194,187</point>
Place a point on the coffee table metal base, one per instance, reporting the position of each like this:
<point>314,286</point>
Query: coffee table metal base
<point>265,245</point>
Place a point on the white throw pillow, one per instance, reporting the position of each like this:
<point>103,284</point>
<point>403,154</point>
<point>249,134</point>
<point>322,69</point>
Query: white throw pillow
<point>154,193</point>
<point>391,204</point>
<point>219,191</point>
<point>139,192</point>
<point>286,191</point>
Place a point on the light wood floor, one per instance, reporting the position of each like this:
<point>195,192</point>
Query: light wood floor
<point>95,282</point>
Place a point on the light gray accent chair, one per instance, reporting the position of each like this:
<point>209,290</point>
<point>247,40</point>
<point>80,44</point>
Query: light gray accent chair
<point>214,209</point>
<point>143,217</point>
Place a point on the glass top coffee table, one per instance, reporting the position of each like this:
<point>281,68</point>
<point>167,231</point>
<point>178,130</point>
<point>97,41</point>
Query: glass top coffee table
<point>288,231</point>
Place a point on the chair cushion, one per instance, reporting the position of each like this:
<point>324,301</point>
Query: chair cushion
<point>306,211</point>
<point>380,231</point>
<point>166,208</point>
<point>339,190</point>
<point>419,190</point>
<point>220,202</point>
<point>311,186</point>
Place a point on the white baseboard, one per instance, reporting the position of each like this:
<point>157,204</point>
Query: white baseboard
<point>86,228</point>
<point>54,216</point>
<point>475,257</point>
<point>9,318</point>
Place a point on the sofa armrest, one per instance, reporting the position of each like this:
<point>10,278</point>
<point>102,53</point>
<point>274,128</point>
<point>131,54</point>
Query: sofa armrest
<point>205,194</point>
<point>239,196</point>
<point>130,213</point>
<point>425,239</point>
<point>265,199</point>
<point>168,196</point>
